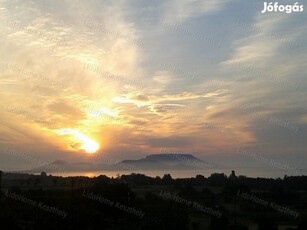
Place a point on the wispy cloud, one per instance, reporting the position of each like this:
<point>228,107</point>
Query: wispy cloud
<point>179,11</point>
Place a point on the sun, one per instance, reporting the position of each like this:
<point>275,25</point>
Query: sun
<point>90,146</point>
<point>82,141</point>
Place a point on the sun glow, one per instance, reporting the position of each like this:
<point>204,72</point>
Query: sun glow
<point>83,142</point>
<point>90,146</point>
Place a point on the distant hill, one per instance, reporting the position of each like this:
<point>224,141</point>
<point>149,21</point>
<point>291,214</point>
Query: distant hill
<point>168,161</point>
<point>64,166</point>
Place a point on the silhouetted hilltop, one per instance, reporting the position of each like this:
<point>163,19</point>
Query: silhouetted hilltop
<point>172,157</point>
<point>168,161</point>
<point>64,166</point>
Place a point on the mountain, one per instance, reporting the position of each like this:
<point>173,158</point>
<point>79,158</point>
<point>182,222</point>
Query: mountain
<point>61,166</point>
<point>167,161</point>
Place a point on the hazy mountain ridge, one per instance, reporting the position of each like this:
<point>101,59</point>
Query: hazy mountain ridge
<point>151,162</point>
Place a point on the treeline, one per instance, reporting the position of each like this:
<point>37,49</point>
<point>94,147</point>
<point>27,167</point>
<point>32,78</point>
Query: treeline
<point>137,201</point>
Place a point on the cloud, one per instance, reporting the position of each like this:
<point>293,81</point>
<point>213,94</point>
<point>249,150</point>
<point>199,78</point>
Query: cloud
<point>259,46</point>
<point>81,40</point>
<point>45,54</point>
<point>179,11</point>
<point>264,43</point>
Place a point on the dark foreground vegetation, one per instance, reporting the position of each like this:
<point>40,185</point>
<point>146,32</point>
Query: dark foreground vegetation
<point>137,201</point>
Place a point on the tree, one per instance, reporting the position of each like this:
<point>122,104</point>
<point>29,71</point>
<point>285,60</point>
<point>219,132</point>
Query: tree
<point>167,179</point>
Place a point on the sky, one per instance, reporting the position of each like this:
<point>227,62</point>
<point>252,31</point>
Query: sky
<point>123,79</point>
